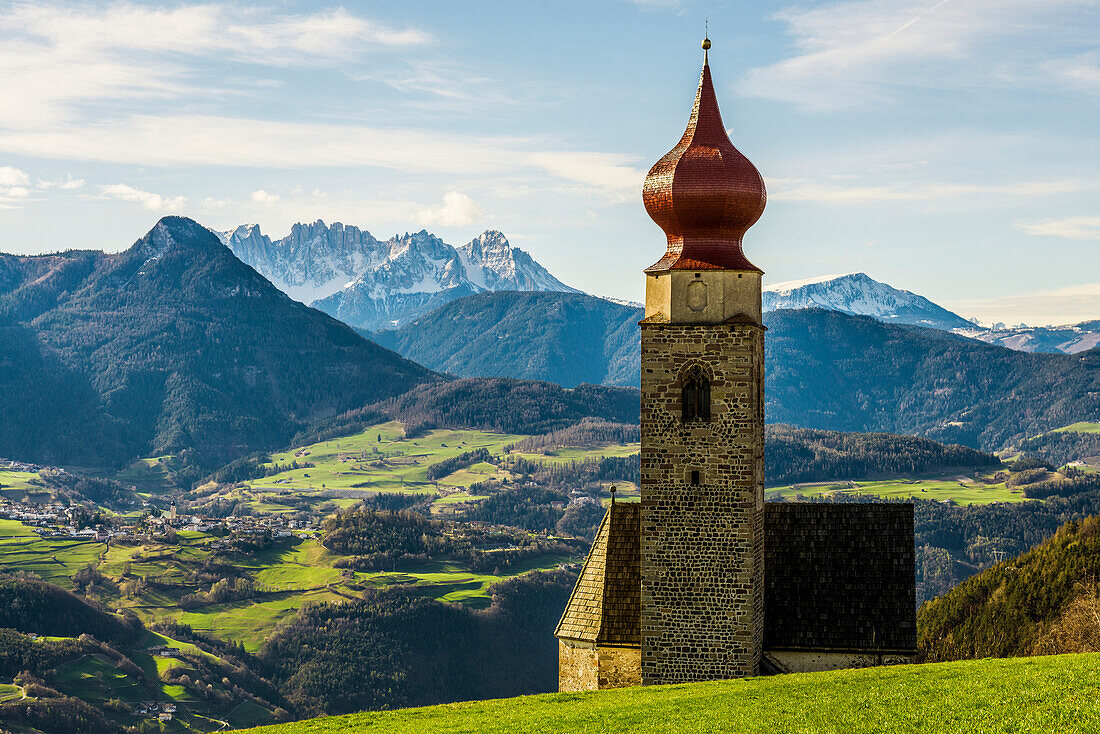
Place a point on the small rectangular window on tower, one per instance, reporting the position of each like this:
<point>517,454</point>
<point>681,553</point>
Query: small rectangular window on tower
<point>695,476</point>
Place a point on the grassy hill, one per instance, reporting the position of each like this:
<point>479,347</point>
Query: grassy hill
<point>1077,444</point>
<point>68,665</point>
<point>1047,694</point>
<point>384,459</point>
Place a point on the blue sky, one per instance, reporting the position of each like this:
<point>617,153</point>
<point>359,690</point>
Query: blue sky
<point>949,147</point>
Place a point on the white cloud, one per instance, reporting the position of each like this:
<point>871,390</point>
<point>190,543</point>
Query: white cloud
<point>799,190</point>
<point>656,4</point>
<point>1070,228</point>
<point>13,177</point>
<point>86,82</point>
<point>147,199</point>
<point>13,186</point>
<point>68,184</point>
<point>458,210</point>
<point>1068,305</point>
<point>855,52</point>
<point>227,141</point>
<point>606,171</point>
<point>1081,72</point>
<point>262,197</point>
<point>59,58</point>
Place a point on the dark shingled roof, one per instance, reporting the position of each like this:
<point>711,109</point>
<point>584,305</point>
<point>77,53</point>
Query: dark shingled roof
<point>839,577</point>
<point>606,603</point>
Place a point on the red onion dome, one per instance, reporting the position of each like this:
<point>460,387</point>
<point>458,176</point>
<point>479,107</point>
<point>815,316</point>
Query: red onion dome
<point>704,193</point>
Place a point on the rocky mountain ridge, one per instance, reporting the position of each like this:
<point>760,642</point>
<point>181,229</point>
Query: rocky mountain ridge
<point>374,284</point>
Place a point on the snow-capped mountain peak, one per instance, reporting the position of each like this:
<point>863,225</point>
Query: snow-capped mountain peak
<point>858,293</point>
<point>348,273</point>
<point>493,264</point>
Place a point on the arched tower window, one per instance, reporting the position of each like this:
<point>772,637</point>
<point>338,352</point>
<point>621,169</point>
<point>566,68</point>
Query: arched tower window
<point>695,395</point>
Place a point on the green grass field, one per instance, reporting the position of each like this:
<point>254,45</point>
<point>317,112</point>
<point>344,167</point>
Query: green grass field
<point>10,692</point>
<point>380,458</point>
<point>14,485</point>
<point>149,475</point>
<point>53,560</point>
<point>1074,428</point>
<point>965,490</point>
<point>97,679</point>
<point>1051,694</point>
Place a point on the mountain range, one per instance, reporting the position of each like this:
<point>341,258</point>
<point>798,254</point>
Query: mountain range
<point>379,285</point>
<point>171,345</point>
<point>825,369</point>
<point>859,294</point>
<point>371,284</point>
<point>175,345</point>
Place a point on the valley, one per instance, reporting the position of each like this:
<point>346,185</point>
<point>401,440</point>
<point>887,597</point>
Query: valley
<point>439,513</point>
<point>413,367</point>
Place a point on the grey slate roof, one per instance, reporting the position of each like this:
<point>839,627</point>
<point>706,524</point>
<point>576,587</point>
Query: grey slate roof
<point>839,577</point>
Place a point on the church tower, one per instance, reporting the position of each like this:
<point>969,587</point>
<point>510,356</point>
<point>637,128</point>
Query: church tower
<point>673,589</point>
<point>702,455</point>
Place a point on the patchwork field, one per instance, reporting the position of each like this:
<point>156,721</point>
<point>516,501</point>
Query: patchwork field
<point>151,578</point>
<point>96,678</point>
<point>382,459</point>
<point>964,490</point>
<point>1046,694</point>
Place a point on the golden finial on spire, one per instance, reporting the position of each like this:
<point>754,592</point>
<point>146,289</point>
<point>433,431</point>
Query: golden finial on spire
<point>706,39</point>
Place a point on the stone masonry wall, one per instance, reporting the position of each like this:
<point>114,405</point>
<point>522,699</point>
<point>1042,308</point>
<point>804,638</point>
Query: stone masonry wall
<point>620,667</point>
<point>702,545</point>
<point>578,667</point>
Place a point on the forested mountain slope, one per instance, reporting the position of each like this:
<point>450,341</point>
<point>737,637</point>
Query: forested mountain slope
<point>1045,600</point>
<point>807,455</point>
<point>567,338</point>
<point>826,369</point>
<point>170,345</point>
<point>489,404</point>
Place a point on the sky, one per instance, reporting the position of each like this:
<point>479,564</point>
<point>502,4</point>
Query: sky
<point>947,147</point>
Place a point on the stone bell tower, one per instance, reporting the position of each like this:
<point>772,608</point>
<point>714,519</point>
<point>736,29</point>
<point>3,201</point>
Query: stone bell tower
<point>702,456</point>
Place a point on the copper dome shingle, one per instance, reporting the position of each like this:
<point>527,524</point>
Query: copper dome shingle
<point>704,193</point>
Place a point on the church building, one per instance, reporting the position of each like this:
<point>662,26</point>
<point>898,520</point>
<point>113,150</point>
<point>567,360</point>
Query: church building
<point>703,580</point>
